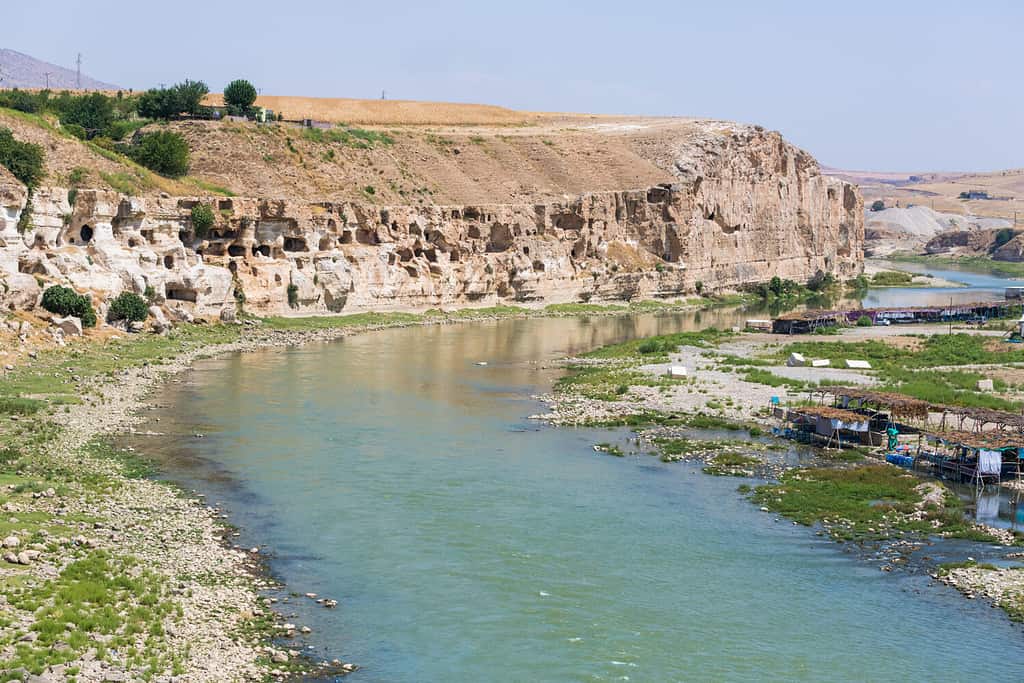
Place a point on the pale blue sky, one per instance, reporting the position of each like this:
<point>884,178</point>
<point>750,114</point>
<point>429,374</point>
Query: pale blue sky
<point>866,85</point>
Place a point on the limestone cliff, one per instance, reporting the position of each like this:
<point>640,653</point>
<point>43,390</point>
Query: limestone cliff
<point>744,206</point>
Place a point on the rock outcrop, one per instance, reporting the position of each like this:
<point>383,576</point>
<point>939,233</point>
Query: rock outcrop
<point>746,206</point>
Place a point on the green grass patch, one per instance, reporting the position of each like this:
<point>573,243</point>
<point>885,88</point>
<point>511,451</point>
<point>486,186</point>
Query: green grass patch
<point>348,136</point>
<point>891,278</point>
<point>209,187</point>
<point>329,322</point>
<point>655,349</point>
<point>761,376</point>
<point>865,502</point>
<point>97,597</point>
<point>909,371</point>
<point>731,465</point>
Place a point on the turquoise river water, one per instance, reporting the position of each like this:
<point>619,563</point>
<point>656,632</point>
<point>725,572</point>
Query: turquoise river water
<point>466,542</point>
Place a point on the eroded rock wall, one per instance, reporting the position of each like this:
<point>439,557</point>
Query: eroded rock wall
<point>747,206</point>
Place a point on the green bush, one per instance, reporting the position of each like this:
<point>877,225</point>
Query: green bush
<point>23,159</point>
<point>864,321</point>
<point>1002,237</point>
<point>239,96</point>
<point>75,130</point>
<point>93,112</point>
<point>202,219</point>
<point>21,100</point>
<point>118,130</point>
<point>165,152</point>
<point>293,295</point>
<point>878,205</point>
<point>65,301</point>
<point>128,306</point>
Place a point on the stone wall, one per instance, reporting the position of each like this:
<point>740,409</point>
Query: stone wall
<point>747,206</point>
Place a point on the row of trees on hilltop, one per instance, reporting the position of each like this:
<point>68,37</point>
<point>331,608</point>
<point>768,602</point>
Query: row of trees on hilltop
<point>111,122</point>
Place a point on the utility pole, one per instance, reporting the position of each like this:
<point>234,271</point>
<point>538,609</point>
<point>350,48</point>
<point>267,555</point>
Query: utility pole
<point>47,74</point>
<point>78,72</point>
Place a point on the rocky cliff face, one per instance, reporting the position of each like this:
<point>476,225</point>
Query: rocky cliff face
<point>746,206</point>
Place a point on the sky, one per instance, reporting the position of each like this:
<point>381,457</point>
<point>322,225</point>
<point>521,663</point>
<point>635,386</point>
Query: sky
<point>886,86</point>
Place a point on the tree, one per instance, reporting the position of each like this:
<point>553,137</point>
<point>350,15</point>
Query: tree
<point>202,219</point>
<point>164,151</point>
<point>66,301</point>
<point>128,306</point>
<point>878,205</point>
<point>239,97</point>
<point>168,103</point>
<point>158,103</point>
<point>93,112</point>
<point>23,159</point>
<point>190,96</point>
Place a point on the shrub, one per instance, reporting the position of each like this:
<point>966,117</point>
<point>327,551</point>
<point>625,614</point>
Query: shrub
<point>23,159</point>
<point>65,301</point>
<point>1003,236</point>
<point>164,152</point>
<point>128,306</point>
<point>699,286</point>
<point>878,205</point>
<point>77,176</point>
<point>239,96</point>
<point>293,295</point>
<point>202,219</point>
<point>118,130</point>
<point>75,130</point>
<point>864,321</point>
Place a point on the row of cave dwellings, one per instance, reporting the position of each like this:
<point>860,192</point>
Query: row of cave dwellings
<point>483,233</point>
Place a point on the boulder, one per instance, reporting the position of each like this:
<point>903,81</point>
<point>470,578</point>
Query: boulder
<point>11,542</point>
<point>19,291</point>
<point>70,326</point>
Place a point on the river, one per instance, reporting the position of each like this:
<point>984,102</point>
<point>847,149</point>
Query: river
<point>466,542</point>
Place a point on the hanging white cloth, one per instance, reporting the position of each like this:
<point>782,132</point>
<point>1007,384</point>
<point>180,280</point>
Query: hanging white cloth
<point>990,462</point>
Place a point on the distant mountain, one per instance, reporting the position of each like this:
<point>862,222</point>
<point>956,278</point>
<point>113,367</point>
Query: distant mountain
<point>19,70</point>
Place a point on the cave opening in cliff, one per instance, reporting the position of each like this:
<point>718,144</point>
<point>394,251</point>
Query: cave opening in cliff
<point>264,250</point>
<point>346,237</point>
<point>364,236</point>
<point>474,232</point>
<point>325,243</point>
<point>169,261</point>
<point>236,250</point>
<point>177,293</point>
<point>84,234</point>
<point>501,238</point>
<point>294,244</point>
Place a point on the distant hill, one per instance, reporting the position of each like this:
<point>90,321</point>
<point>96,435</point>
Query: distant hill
<point>19,70</point>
